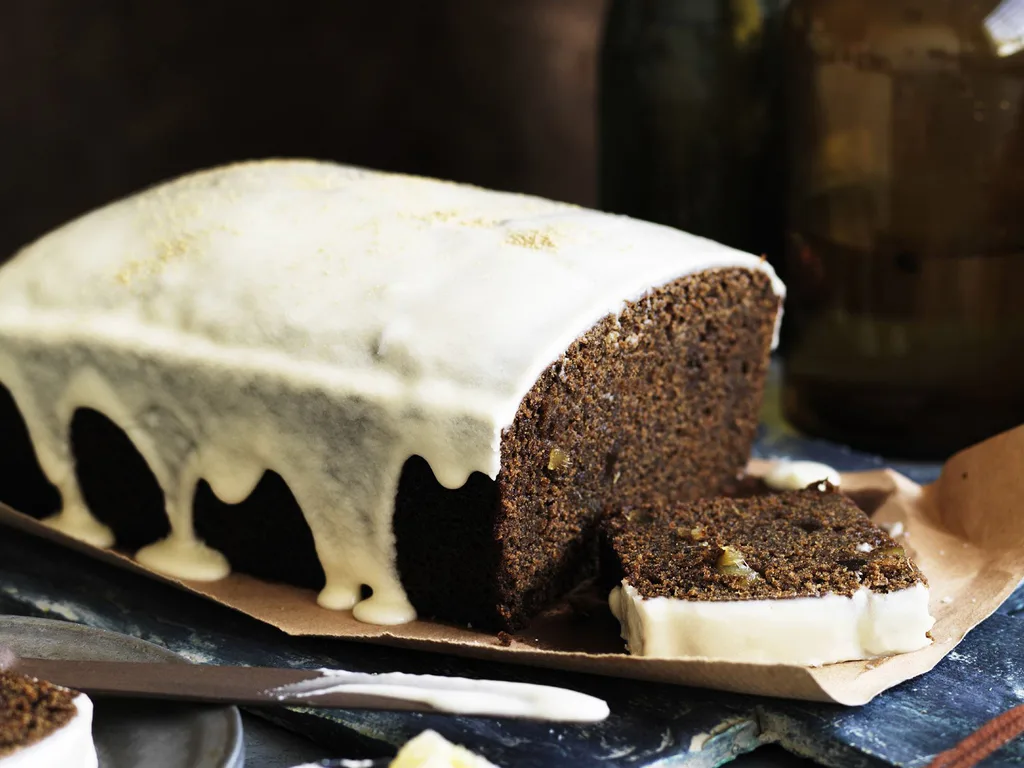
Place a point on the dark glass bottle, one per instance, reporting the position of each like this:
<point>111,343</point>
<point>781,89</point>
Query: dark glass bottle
<point>691,118</point>
<point>905,319</point>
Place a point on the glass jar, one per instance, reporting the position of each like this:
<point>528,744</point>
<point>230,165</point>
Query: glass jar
<point>690,107</point>
<point>905,253</point>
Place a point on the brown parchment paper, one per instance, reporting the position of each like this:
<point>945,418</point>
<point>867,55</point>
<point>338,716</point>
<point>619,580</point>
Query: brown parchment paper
<point>966,532</point>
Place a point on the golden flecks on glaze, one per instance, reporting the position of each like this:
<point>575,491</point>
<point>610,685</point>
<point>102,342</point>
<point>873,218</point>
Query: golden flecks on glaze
<point>535,239</point>
<point>455,218</point>
<point>442,216</point>
<point>320,321</point>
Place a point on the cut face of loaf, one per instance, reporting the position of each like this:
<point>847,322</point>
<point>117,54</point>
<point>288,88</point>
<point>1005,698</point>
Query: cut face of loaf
<point>414,395</point>
<point>660,401</point>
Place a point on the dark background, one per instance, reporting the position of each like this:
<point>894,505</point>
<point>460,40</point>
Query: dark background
<point>100,98</point>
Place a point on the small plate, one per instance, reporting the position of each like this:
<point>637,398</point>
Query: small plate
<point>130,733</point>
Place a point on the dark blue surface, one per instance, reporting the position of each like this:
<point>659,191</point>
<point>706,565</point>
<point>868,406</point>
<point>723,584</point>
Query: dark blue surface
<point>651,725</point>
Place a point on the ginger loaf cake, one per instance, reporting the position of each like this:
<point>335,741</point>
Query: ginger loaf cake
<point>799,577</point>
<point>43,725</point>
<point>412,395</point>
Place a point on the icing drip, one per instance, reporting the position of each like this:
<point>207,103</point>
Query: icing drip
<point>54,456</point>
<point>184,556</point>
<point>75,520</point>
<point>322,322</point>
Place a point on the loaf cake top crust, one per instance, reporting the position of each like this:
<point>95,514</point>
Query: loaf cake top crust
<point>402,282</point>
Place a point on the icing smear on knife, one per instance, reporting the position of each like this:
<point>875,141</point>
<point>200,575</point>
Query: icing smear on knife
<point>456,695</point>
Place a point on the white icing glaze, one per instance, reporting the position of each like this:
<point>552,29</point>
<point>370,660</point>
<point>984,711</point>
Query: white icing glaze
<point>807,631</point>
<point>70,746</point>
<point>458,695</point>
<point>788,475</point>
<point>320,321</point>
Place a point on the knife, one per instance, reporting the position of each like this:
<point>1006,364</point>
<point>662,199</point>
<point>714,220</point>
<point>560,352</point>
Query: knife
<point>328,688</point>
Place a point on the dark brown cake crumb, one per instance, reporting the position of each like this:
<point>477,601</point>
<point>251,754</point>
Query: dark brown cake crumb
<point>743,486</point>
<point>30,710</point>
<point>792,544</point>
<point>504,639</point>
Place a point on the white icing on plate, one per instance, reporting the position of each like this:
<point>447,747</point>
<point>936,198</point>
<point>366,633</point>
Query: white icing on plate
<point>319,321</point>
<point>804,631</point>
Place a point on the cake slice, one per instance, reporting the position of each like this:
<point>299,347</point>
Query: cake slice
<point>43,725</point>
<point>801,577</point>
